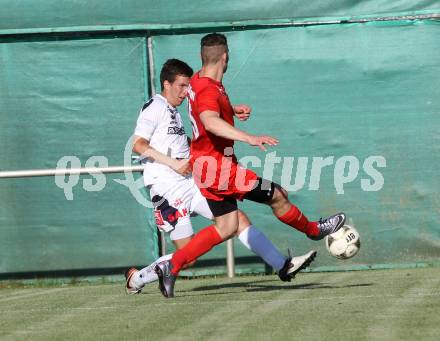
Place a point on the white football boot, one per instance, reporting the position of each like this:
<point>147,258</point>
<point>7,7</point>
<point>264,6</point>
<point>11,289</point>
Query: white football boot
<point>293,265</point>
<point>130,286</point>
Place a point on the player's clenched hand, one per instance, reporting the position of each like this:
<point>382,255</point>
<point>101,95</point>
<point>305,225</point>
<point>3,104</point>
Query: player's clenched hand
<point>183,167</point>
<point>260,141</point>
<point>242,111</point>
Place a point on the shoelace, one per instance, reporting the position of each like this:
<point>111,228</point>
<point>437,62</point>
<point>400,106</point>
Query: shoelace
<point>326,223</point>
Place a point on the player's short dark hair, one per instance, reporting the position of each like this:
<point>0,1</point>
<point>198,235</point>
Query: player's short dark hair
<point>212,46</point>
<point>173,68</point>
<point>214,39</point>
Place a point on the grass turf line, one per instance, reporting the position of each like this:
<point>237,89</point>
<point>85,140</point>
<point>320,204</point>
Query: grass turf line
<point>363,305</point>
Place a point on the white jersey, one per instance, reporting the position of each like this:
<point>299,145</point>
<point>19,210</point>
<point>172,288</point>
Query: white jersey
<point>161,124</point>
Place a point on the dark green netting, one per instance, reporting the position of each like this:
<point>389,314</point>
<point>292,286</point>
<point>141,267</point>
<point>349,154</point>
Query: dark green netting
<point>357,90</point>
<point>79,98</point>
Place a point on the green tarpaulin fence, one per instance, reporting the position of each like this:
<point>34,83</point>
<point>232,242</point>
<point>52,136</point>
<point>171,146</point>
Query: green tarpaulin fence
<point>362,98</point>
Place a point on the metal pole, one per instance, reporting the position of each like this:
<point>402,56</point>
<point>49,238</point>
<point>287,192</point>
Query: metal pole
<point>69,171</point>
<point>230,261</point>
<point>151,65</point>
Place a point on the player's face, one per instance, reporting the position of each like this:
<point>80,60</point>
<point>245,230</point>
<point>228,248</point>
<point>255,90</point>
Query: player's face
<point>176,91</point>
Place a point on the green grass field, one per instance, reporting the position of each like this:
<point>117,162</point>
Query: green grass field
<point>357,305</point>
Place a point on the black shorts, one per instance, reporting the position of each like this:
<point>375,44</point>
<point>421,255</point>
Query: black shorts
<point>225,206</point>
<point>261,193</point>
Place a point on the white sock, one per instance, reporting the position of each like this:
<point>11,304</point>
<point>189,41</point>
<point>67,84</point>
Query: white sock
<point>258,243</point>
<point>147,274</point>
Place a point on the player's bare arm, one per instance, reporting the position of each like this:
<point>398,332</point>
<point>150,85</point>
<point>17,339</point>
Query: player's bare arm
<point>142,147</point>
<point>217,126</point>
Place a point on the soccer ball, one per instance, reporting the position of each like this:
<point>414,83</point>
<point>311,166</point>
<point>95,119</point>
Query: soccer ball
<point>344,243</point>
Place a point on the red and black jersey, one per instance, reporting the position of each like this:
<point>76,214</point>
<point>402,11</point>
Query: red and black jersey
<point>214,173</point>
<point>208,94</point>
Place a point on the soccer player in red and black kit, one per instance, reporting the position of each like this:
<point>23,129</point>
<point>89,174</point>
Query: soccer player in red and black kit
<point>216,170</point>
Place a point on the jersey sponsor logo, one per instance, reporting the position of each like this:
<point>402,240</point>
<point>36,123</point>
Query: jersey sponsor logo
<point>165,214</point>
<point>176,131</point>
<point>173,217</point>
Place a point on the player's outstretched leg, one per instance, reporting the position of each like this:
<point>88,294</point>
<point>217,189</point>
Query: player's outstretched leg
<point>289,214</point>
<point>258,243</point>
<point>251,237</point>
<point>135,279</point>
<point>293,265</point>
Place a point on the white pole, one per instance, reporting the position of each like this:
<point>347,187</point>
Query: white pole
<point>230,261</point>
<point>151,65</point>
<point>69,171</point>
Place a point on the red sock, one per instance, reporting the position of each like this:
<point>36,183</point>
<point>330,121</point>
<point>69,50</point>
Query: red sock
<point>295,218</point>
<point>202,242</point>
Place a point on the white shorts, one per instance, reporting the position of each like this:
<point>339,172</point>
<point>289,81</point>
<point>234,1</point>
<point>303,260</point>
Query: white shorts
<point>174,203</point>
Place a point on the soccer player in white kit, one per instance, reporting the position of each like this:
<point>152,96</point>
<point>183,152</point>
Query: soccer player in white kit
<point>161,141</point>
